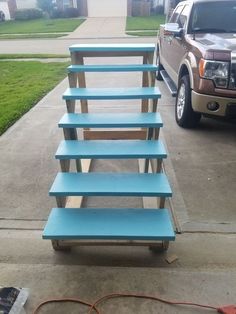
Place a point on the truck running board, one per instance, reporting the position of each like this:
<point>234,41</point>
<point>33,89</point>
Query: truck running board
<point>170,84</point>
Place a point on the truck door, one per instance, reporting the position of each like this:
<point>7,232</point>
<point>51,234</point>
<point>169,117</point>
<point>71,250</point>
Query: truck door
<point>178,44</point>
<point>166,41</point>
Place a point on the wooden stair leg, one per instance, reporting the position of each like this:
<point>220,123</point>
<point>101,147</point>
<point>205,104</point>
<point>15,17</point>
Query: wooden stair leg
<point>61,201</point>
<point>162,202</point>
<point>70,134</point>
<point>72,77</point>
<point>159,247</point>
<point>81,83</point>
<point>65,165</point>
<point>78,165</point>
<point>56,244</point>
<point>70,105</point>
<point>82,166</point>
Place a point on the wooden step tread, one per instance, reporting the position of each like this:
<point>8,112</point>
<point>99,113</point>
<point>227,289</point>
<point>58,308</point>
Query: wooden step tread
<point>110,184</point>
<point>112,93</point>
<point>113,68</point>
<point>110,149</point>
<point>109,224</point>
<point>112,47</point>
<point>110,120</point>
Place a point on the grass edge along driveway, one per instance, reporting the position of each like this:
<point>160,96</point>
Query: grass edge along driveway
<point>23,84</point>
<point>4,56</point>
<point>39,28</point>
<point>144,25</point>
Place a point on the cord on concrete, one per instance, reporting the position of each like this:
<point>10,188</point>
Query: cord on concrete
<point>93,307</point>
<point>141,296</point>
<point>64,300</point>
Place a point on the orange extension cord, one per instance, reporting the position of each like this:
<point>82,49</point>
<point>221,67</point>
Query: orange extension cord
<point>93,307</point>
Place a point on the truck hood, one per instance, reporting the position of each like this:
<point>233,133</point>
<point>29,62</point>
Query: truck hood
<point>217,41</point>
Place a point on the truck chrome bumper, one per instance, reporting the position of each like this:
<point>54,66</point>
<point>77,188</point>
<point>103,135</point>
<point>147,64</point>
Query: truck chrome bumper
<point>227,106</point>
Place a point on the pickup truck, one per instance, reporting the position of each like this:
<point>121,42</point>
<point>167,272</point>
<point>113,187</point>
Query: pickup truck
<point>196,54</point>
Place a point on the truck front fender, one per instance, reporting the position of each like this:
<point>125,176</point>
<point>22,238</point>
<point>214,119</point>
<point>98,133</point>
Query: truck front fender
<point>188,66</point>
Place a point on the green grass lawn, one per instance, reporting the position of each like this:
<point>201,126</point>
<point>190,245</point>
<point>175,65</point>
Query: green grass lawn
<point>28,36</point>
<point>145,34</point>
<point>4,56</point>
<point>144,23</point>
<point>40,26</point>
<point>23,84</point>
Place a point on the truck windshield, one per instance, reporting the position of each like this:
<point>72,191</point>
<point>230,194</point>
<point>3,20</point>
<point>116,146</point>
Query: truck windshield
<point>213,17</point>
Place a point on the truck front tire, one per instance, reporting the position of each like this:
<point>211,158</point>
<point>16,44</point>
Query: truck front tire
<point>184,114</point>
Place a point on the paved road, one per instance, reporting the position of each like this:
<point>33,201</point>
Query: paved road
<point>60,45</point>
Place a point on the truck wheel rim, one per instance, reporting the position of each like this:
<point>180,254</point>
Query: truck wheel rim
<point>181,101</point>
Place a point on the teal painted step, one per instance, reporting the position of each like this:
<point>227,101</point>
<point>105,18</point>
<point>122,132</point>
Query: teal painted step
<point>113,47</point>
<point>109,120</point>
<point>109,224</point>
<point>112,93</point>
<point>109,149</point>
<point>110,184</point>
<point>113,68</point>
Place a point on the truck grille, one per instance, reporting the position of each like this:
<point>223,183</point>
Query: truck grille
<point>232,82</point>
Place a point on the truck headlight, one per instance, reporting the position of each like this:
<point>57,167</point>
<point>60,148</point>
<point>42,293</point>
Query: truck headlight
<point>218,71</point>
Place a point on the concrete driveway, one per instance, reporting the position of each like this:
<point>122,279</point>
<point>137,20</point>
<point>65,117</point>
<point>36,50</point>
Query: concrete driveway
<point>100,27</point>
<point>201,167</point>
<point>201,162</point>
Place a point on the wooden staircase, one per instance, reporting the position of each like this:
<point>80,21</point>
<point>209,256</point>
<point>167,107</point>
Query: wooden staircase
<point>126,136</point>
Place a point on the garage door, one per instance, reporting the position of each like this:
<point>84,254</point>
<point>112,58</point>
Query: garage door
<point>4,8</point>
<point>107,8</point>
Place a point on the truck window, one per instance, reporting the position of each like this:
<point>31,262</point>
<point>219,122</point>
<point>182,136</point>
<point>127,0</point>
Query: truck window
<point>182,21</point>
<point>174,17</point>
<point>215,16</point>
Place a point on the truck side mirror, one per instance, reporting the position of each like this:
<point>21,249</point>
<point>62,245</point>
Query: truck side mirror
<point>172,29</point>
